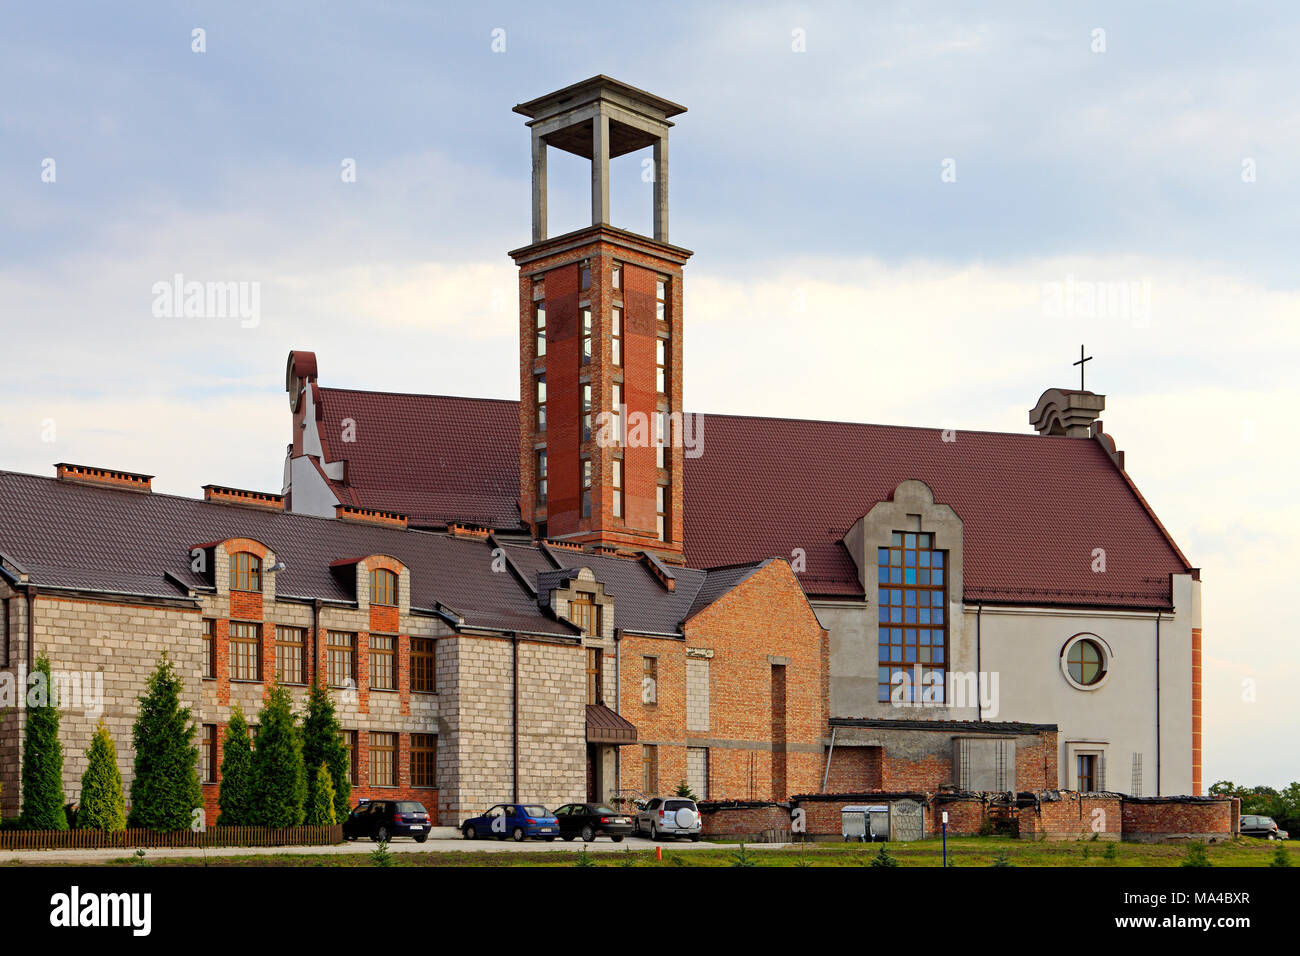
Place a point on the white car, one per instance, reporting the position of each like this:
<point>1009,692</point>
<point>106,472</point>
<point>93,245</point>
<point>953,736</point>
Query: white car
<point>663,817</point>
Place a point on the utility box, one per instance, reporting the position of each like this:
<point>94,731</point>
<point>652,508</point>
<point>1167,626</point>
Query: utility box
<point>865,823</point>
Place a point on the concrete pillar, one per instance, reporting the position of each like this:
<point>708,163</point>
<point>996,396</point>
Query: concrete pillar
<point>661,188</point>
<point>600,169</point>
<point>539,188</point>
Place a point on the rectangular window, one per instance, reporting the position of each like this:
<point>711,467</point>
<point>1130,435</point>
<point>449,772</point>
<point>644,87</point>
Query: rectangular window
<point>1087,773</point>
<point>209,649</point>
<point>208,753</point>
<point>662,439</point>
<point>595,692</point>
<point>352,739</point>
<point>661,366</point>
<point>245,572</point>
<point>649,680</point>
<point>584,275</point>
<point>661,299</point>
<point>290,655</point>
<point>424,666</point>
<point>661,512</point>
<point>341,658</point>
<point>245,651</point>
<point>586,411</point>
<point>649,769</point>
<point>539,325</point>
<point>424,760</point>
<point>541,476</point>
<point>912,627</point>
<point>616,331</point>
<point>585,613</point>
<point>616,413</point>
<point>616,279</point>
<point>383,662</point>
<point>383,759</point>
<point>541,403</point>
<point>616,481</point>
<point>586,487</point>
<point>586,336</point>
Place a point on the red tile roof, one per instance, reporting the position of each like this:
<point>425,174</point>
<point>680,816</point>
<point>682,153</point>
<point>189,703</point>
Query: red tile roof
<point>434,458</point>
<point>1033,507</point>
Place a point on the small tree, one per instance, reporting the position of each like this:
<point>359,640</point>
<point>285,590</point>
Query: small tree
<point>42,754</point>
<point>322,743</point>
<point>102,805</point>
<point>165,791</point>
<point>279,780</point>
<point>883,858</point>
<point>235,798</point>
<point>684,790</point>
<point>1196,855</point>
<point>1280,856</point>
<point>320,811</point>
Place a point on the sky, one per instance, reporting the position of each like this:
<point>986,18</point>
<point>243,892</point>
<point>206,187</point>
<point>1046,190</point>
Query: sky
<point>906,214</point>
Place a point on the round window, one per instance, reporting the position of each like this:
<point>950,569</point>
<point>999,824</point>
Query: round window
<point>1085,661</point>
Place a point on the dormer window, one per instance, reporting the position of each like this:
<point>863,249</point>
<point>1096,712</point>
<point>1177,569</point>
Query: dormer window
<point>245,572</point>
<point>383,587</point>
<point>585,612</point>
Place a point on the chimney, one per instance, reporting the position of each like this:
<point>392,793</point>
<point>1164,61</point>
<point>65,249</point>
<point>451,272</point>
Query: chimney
<point>239,496</point>
<point>105,477</point>
<point>370,516</point>
<point>1067,412</point>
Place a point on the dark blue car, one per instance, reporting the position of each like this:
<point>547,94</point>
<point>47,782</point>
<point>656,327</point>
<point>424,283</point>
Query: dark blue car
<point>514,820</point>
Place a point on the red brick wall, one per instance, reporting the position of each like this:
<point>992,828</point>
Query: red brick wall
<point>1073,817</point>
<point>753,822</point>
<point>765,615</point>
<point>1150,821</point>
<point>855,769</point>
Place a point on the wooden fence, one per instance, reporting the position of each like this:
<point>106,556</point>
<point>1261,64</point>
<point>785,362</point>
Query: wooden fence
<point>131,839</point>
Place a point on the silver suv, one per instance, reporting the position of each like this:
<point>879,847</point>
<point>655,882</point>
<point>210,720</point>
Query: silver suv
<point>669,817</point>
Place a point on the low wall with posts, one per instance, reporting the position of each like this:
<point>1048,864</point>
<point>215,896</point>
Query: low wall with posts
<point>131,839</point>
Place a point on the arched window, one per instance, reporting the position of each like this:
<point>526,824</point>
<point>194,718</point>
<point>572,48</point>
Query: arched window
<point>383,587</point>
<point>245,572</point>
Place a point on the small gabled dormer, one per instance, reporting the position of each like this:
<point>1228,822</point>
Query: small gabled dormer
<point>576,596</point>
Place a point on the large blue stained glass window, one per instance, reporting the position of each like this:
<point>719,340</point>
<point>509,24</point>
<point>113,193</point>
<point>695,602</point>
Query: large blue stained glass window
<point>911,591</point>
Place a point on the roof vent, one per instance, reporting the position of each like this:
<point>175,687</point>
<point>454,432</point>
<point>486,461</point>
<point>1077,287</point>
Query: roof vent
<point>109,477</point>
<point>370,516</point>
<point>239,496</point>
<point>1068,412</point>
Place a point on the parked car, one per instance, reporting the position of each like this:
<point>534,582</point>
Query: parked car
<point>669,817</point>
<point>381,820</point>
<point>590,820</point>
<point>1265,827</point>
<point>515,820</point>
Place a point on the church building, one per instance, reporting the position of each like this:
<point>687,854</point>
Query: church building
<point>968,577</point>
<point>591,593</point>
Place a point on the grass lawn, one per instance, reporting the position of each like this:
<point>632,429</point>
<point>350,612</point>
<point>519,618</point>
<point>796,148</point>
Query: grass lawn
<point>962,852</point>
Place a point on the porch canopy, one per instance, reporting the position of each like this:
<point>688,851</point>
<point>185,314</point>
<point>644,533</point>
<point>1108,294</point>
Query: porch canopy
<point>606,727</point>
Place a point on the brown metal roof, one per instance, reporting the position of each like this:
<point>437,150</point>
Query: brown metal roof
<point>606,727</point>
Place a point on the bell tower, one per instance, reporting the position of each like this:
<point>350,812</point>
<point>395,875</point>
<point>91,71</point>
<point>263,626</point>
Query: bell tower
<point>600,338</point>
